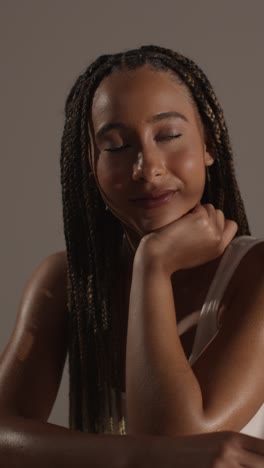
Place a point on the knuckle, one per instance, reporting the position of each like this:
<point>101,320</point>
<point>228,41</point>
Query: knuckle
<point>220,214</point>
<point>219,211</point>
<point>210,205</point>
<point>203,221</point>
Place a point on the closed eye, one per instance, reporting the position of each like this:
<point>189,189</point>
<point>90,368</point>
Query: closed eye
<point>118,148</point>
<point>165,138</point>
<point>170,137</point>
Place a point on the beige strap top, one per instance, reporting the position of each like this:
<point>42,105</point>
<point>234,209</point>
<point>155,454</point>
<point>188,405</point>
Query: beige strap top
<point>207,322</point>
<point>207,327</point>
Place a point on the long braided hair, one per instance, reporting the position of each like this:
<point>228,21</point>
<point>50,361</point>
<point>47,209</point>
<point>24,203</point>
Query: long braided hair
<point>93,235</point>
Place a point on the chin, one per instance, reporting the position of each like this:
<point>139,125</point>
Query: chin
<point>148,225</point>
<point>150,221</point>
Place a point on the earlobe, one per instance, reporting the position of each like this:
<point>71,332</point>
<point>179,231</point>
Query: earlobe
<point>208,150</point>
<point>208,158</point>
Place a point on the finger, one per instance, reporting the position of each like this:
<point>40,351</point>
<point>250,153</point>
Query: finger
<point>212,215</point>
<point>211,212</point>
<point>250,459</point>
<point>229,232</point>
<point>202,209</point>
<point>197,208</point>
<point>220,220</point>
<point>252,444</point>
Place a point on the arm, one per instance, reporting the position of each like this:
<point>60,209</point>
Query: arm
<point>223,389</point>
<point>31,443</point>
<point>30,372</point>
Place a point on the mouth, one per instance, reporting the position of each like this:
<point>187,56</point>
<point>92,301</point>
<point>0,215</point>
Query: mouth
<point>153,202</point>
<point>153,194</point>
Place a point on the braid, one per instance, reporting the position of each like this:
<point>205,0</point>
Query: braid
<point>93,236</point>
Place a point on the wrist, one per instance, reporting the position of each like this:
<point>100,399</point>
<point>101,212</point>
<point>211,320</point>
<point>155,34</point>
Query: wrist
<point>156,450</point>
<point>147,260</point>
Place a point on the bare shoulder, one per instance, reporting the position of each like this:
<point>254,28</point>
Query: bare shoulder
<point>52,268</point>
<point>46,285</point>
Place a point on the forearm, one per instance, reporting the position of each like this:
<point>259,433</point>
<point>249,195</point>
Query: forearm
<point>163,394</point>
<point>31,444</point>
<point>28,443</point>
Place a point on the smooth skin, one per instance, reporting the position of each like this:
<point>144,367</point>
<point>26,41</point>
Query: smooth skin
<point>32,363</point>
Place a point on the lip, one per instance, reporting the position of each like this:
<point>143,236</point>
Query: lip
<point>154,194</point>
<point>154,202</point>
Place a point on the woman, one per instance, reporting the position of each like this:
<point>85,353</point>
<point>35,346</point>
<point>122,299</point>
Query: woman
<point>151,211</point>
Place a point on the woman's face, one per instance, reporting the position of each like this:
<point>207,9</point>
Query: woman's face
<point>147,136</point>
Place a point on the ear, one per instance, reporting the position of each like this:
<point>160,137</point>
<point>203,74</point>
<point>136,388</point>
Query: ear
<point>208,155</point>
<point>208,150</point>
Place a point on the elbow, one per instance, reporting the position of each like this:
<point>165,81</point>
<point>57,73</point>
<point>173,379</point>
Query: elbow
<point>175,426</point>
<point>193,426</point>
<point>194,423</point>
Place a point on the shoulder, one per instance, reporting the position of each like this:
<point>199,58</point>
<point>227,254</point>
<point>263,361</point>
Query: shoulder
<point>31,365</point>
<point>46,289</point>
<point>51,270</point>
<point>56,261</point>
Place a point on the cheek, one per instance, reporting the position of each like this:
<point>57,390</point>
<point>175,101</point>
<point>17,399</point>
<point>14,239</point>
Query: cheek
<point>188,162</point>
<point>110,176</point>
<point>188,166</point>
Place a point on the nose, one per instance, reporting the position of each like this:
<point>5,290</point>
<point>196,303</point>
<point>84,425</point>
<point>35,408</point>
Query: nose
<point>149,165</point>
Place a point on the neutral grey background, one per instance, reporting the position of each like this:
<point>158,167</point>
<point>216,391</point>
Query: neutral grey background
<point>45,45</point>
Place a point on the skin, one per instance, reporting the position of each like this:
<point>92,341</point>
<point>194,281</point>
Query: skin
<point>31,365</point>
<point>132,98</point>
<point>156,404</point>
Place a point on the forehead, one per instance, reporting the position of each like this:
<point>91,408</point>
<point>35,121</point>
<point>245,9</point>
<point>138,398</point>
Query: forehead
<point>144,91</point>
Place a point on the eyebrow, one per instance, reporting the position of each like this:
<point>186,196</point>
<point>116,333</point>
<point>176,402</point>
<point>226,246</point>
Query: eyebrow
<point>155,118</point>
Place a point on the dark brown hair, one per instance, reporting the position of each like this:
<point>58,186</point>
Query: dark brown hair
<point>93,235</point>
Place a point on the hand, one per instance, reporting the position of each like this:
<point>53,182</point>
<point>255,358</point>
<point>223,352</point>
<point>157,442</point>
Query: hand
<point>194,239</point>
<point>211,450</point>
<point>224,449</point>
